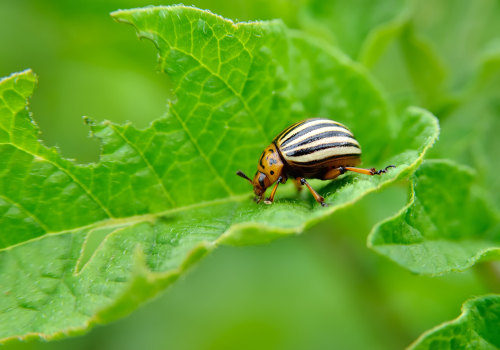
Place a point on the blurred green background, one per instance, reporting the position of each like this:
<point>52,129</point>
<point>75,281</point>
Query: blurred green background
<point>324,289</point>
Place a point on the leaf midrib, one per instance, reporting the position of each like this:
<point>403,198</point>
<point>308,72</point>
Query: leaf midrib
<point>135,219</point>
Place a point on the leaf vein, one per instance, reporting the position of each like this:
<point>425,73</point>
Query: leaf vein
<point>203,155</point>
<point>148,164</point>
<point>67,172</point>
<point>218,76</point>
<point>28,212</point>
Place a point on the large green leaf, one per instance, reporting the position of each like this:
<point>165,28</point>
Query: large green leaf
<point>384,36</point>
<point>87,244</point>
<point>447,226</point>
<point>471,131</point>
<point>478,327</point>
<point>408,66</point>
<point>347,24</point>
<point>417,59</point>
<point>474,23</point>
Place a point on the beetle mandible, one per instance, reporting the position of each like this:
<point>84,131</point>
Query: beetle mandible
<point>314,148</point>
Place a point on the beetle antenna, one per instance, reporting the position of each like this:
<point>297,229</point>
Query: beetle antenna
<point>240,173</point>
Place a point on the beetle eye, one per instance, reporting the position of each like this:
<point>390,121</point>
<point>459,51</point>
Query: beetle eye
<point>272,172</point>
<point>261,180</point>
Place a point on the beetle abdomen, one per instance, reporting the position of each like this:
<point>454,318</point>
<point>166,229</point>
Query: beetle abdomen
<point>318,143</point>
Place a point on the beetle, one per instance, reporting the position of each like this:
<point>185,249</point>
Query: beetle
<point>314,148</point>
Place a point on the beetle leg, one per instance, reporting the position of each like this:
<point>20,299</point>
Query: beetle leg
<point>298,184</point>
<point>333,173</point>
<point>371,171</point>
<point>318,198</point>
<point>271,197</point>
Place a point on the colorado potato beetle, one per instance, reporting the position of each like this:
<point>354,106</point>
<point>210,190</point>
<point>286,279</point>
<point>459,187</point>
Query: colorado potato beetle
<point>314,148</point>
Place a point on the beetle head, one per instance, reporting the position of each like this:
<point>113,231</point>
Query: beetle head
<point>260,184</point>
<point>269,169</point>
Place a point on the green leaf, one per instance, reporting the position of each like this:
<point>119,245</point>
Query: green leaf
<point>86,244</point>
<point>476,144</point>
<point>383,35</point>
<point>476,328</point>
<point>474,23</point>
<point>407,65</point>
<point>417,59</point>
<point>347,24</point>
<point>447,226</point>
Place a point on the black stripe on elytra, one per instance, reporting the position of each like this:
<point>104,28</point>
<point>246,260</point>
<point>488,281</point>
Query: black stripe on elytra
<point>316,148</point>
<point>280,154</point>
<point>288,130</point>
<point>317,137</point>
<point>309,129</point>
<point>324,160</point>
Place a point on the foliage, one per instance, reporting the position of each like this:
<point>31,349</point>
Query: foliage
<point>447,226</point>
<point>476,328</point>
<point>233,83</point>
<point>122,229</point>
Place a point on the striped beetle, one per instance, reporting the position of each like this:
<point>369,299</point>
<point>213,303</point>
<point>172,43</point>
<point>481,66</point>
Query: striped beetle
<point>314,148</point>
